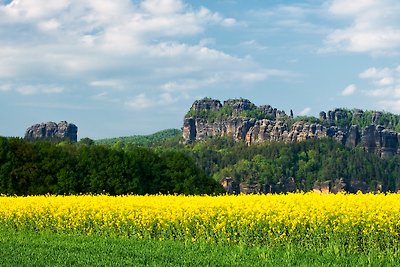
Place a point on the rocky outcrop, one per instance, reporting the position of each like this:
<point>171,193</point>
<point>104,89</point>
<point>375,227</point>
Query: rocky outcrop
<point>277,126</point>
<point>52,130</point>
<point>206,104</point>
<point>329,186</point>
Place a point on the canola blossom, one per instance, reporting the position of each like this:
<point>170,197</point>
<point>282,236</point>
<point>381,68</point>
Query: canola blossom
<point>250,219</point>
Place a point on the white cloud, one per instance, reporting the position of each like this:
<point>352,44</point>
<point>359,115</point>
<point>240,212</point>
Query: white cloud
<point>49,25</point>
<point>139,102</point>
<point>106,97</point>
<point>142,101</point>
<point>305,111</point>
<point>253,44</point>
<point>374,73</point>
<point>381,76</point>
<point>71,37</point>
<point>32,9</point>
<point>383,92</point>
<point>167,99</point>
<point>349,90</point>
<point>31,89</point>
<point>229,22</point>
<point>117,84</point>
<point>162,7</point>
<point>297,17</point>
<point>386,81</point>
<point>384,86</point>
<point>52,89</point>
<point>393,105</point>
<point>349,8</point>
<point>38,89</point>
<point>186,85</point>
<point>154,50</point>
<point>373,26</point>
<point>5,87</point>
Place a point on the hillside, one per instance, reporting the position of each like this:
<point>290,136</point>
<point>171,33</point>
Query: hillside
<point>241,120</point>
<point>143,140</point>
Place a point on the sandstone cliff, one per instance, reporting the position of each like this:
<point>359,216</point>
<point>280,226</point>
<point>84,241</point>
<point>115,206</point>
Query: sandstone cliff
<point>243,121</point>
<point>52,130</point>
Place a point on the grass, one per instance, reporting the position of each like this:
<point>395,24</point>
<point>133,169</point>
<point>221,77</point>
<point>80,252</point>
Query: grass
<point>28,248</point>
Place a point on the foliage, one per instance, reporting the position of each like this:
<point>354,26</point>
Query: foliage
<point>226,112</point>
<point>41,167</point>
<point>306,119</point>
<point>364,118</point>
<point>307,162</point>
<point>142,140</point>
<point>386,119</point>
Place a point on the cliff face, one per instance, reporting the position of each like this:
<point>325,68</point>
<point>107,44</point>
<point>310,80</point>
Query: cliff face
<point>52,130</point>
<point>277,126</point>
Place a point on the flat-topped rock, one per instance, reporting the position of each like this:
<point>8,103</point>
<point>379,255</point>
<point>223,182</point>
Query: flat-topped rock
<point>52,130</point>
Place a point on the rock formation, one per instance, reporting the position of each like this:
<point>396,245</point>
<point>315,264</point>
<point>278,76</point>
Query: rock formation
<point>275,125</point>
<point>52,130</point>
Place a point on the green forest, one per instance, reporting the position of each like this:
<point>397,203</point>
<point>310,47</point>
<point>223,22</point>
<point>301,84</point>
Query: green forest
<point>159,163</point>
<point>43,167</point>
<point>274,165</point>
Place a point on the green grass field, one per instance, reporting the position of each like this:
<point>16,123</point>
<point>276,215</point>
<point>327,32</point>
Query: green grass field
<point>27,248</point>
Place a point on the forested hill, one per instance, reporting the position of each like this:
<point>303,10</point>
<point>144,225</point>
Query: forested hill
<point>241,120</point>
<point>143,140</point>
<point>315,164</point>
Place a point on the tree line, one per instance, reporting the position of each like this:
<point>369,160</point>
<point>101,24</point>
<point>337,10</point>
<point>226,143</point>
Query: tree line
<point>43,167</point>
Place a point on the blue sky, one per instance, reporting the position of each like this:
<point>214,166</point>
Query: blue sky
<point>123,67</point>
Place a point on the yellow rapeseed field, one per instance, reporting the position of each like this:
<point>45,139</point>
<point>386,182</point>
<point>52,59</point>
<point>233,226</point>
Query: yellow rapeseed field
<point>254,219</point>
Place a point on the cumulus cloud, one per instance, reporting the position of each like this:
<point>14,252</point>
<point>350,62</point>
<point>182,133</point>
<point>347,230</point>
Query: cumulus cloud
<point>374,73</point>
<point>373,26</point>
<point>384,86</point>
<point>349,90</point>
<point>118,45</point>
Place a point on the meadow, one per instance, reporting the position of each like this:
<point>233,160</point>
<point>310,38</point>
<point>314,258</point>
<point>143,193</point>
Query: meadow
<point>310,228</point>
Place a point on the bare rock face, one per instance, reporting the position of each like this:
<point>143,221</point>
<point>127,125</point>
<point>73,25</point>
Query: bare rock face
<point>206,104</point>
<point>329,186</point>
<point>375,117</point>
<point>377,139</point>
<point>389,143</point>
<point>238,105</point>
<point>373,138</point>
<point>52,130</point>
<point>353,136</point>
<point>189,130</point>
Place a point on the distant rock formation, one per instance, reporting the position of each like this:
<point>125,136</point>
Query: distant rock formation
<point>52,130</point>
<point>274,126</point>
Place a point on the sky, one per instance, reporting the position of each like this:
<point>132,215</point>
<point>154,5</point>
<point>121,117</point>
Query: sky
<point>130,67</point>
